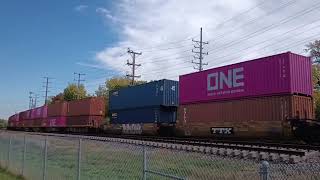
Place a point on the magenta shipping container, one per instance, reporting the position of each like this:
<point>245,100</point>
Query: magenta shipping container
<point>286,73</point>
<point>39,112</point>
<point>59,121</point>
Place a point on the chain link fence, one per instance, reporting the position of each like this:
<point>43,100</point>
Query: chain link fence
<point>61,158</point>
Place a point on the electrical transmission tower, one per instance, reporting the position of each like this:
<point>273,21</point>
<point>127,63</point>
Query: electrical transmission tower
<point>199,54</point>
<point>30,100</point>
<point>133,64</point>
<point>36,97</point>
<point>46,86</point>
<point>79,78</point>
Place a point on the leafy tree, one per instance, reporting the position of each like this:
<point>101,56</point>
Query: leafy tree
<point>3,123</point>
<point>57,98</point>
<point>316,76</point>
<point>117,83</point>
<point>101,91</point>
<point>314,49</point>
<point>73,92</point>
<point>316,97</point>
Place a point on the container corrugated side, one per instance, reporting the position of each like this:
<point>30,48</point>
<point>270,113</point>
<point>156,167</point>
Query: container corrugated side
<point>24,115</point>
<point>155,114</point>
<point>170,93</point>
<point>57,109</point>
<point>94,106</point>
<point>84,121</point>
<point>59,121</point>
<point>285,73</point>
<point>262,116</point>
<point>163,92</point>
<point>301,74</point>
<point>39,112</point>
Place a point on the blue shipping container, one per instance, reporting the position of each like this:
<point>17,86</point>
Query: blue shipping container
<point>144,115</point>
<point>163,92</point>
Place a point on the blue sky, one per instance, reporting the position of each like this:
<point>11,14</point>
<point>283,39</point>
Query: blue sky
<point>56,38</point>
<point>47,38</point>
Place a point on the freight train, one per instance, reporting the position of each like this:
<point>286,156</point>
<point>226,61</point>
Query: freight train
<point>265,97</point>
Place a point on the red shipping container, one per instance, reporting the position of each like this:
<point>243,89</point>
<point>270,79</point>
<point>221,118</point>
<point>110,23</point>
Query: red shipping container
<point>285,73</point>
<point>39,112</point>
<point>59,121</point>
<point>94,106</point>
<point>57,109</point>
<point>249,116</point>
<point>84,121</point>
<point>24,115</point>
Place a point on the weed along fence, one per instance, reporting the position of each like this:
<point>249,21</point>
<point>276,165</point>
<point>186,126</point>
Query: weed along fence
<point>39,157</point>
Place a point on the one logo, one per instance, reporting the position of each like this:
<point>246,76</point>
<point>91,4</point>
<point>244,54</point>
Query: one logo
<point>173,88</point>
<point>115,93</point>
<point>222,130</point>
<point>219,80</point>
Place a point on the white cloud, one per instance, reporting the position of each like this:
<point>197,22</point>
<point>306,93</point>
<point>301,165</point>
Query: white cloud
<point>252,34</point>
<point>106,13</point>
<point>80,8</point>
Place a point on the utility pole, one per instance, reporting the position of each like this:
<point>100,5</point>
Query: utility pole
<point>199,53</point>
<point>46,86</point>
<point>79,78</point>
<point>133,64</point>
<point>30,100</point>
<point>36,96</point>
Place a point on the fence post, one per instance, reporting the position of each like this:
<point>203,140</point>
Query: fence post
<point>44,170</point>
<point>144,163</point>
<point>79,159</point>
<point>24,154</point>
<point>9,151</point>
<point>264,170</point>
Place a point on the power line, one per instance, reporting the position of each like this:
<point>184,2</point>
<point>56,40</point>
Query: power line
<point>240,14</point>
<point>168,43</point>
<point>282,49</point>
<point>200,53</point>
<point>79,80</point>
<point>272,44</point>
<point>237,28</point>
<point>133,64</point>
<point>268,28</point>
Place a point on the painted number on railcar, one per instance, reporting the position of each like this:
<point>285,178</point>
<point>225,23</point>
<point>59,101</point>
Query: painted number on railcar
<point>222,130</point>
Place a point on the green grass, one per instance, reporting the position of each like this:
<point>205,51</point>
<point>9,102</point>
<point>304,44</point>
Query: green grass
<point>8,176</point>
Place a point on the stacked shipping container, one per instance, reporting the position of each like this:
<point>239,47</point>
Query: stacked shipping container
<point>84,113</point>
<point>87,112</point>
<point>38,115</point>
<point>253,97</point>
<point>57,115</point>
<point>154,103</point>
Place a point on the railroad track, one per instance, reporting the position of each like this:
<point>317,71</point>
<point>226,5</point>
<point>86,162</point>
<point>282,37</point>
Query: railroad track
<point>287,152</point>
